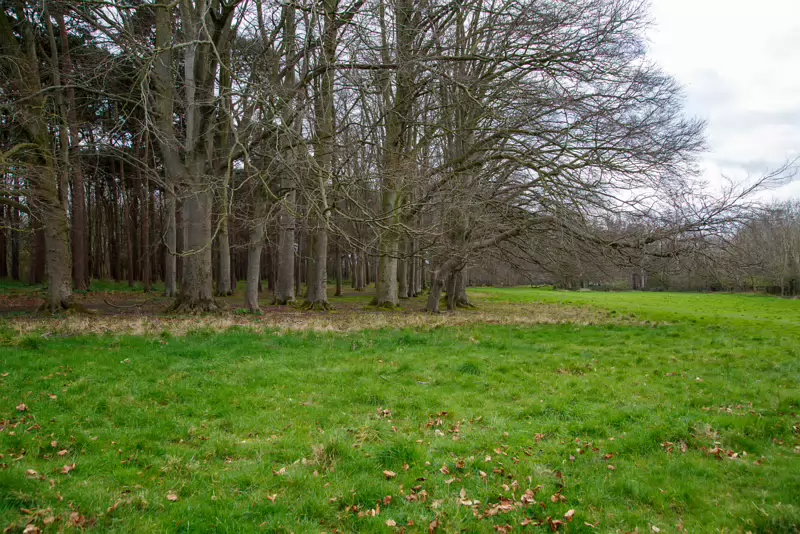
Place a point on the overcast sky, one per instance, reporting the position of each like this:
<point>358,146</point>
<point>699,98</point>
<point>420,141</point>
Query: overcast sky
<point>739,61</point>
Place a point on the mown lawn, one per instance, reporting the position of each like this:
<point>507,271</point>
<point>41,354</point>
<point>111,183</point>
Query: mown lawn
<point>690,421</point>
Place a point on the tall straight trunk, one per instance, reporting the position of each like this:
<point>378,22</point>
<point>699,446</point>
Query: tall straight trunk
<point>99,257</point>
<point>412,271</point>
<point>397,161</point>
<point>322,173</point>
<point>79,231</point>
<point>317,282</point>
<point>287,279</point>
<point>386,287</point>
<point>144,236</point>
<point>130,223</point>
<point>44,179</point>
<point>197,291</point>
<point>4,241</point>
<point>402,273</point>
<point>14,218</point>
<point>171,244</point>
<point>338,257</point>
<point>254,247</point>
<point>224,265</point>
<point>361,271</point>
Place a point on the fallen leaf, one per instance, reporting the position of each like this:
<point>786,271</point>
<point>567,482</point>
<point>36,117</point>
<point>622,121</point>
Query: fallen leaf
<point>172,496</point>
<point>272,498</point>
<point>433,526</point>
<point>389,474</point>
<point>444,470</point>
<point>655,529</point>
<point>32,529</point>
<point>67,468</point>
<point>280,472</point>
<point>391,523</point>
<point>612,468</point>
<point>76,519</point>
<point>63,452</point>
<point>22,407</point>
<point>503,529</point>
<point>387,500</point>
<point>52,396</point>
<point>54,444</point>
<point>31,473</point>
<point>569,515</point>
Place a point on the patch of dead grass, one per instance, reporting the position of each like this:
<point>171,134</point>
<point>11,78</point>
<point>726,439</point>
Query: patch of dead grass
<point>352,320</point>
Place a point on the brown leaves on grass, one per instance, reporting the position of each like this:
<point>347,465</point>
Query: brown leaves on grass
<point>67,468</point>
<point>22,407</point>
<point>389,474</point>
<point>670,446</point>
<point>172,496</point>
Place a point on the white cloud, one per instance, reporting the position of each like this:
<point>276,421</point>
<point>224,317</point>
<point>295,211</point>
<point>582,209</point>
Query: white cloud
<point>740,63</point>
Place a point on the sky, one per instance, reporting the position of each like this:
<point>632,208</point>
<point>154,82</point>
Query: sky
<point>739,62</point>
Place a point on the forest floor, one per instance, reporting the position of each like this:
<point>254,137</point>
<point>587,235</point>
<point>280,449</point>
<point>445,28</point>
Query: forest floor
<point>537,411</point>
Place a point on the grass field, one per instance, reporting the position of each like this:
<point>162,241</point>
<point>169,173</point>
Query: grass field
<point>660,412</point>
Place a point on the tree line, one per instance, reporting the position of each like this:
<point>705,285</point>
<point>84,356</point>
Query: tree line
<point>389,142</point>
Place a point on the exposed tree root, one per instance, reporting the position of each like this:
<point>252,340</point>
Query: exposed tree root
<point>316,305</point>
<point>129,307</point>
<point>282,302</point>
<point>194,307</point>
<point>386,305</point>
<point>64,306</point>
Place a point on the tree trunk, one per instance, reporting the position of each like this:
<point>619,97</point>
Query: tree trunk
<point>144,229</point>
<point>4,241</point>
<point>435,296</point>
<point>402,273</point>
<point>317,283</point>
<point>461,298</point>
<point>80,256</point>
<point>338,258</point>
<point>224,266</point>
<point>285,279</point>
<point>254,247</point>
<point>15,243</point>
<point>171,242</point>
<point>38,267</point>
<point>197,292</point>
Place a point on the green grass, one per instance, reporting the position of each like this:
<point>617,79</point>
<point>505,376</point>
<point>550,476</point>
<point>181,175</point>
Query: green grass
<point>213,417</point>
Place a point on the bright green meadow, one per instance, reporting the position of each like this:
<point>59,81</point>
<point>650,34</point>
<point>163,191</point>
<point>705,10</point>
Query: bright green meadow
<point>679,412</point>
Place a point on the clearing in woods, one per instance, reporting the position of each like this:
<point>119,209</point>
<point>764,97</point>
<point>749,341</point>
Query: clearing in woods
<point>538,411</point>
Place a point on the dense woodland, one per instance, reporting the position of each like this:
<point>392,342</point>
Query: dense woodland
<point>395,144</point>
